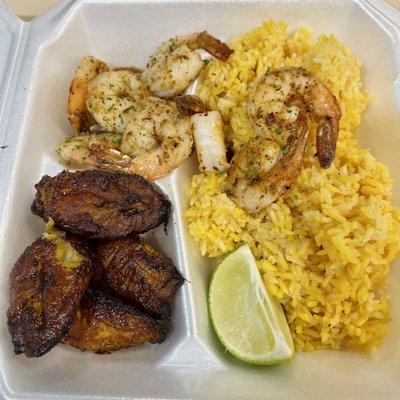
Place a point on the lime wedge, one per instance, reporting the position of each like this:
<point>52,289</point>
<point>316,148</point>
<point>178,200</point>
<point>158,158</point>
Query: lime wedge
<point>249,322</point>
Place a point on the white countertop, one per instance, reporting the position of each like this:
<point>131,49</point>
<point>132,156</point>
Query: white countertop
<point>28,9</point>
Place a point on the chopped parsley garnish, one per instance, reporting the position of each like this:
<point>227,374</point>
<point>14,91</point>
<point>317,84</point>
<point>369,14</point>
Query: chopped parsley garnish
<point>172,47</point>
<point>228,191</point>
<point>252,174</point>
<point>278,131</point>
<point>117,139</point>
<point>206,61</point>
<point>285,150</point>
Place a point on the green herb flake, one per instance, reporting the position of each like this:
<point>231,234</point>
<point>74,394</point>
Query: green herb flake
<point>228,191</point>
<point>222,172</point>
<point>206,61</point>
<point>172,47</point>
<point>278,131</point>
<point>117,139</point>
<point>285,150</point>
<point>252,174</point>
<point>4,147</point>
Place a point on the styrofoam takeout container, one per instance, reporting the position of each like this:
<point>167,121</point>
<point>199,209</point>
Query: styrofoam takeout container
<point>37,61</point>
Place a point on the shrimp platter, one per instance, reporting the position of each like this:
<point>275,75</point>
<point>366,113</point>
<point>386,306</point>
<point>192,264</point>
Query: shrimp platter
<point>188,188</point>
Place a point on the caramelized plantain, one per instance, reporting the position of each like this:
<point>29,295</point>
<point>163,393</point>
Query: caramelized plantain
<point>101,204</point>
<point>47,284</point>
<point>138,274</point>
<point>104,324</point>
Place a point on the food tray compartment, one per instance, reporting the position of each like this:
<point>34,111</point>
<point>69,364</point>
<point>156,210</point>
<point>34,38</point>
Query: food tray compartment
<point>191,363</point>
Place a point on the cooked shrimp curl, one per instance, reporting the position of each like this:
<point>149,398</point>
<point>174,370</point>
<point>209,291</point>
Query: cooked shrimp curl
<point>75,150</point>
<point>155,142</point>
<point>271,110</point>
<point>261,171</point>
<point>112,98</point>
<point>279,107</point>
<point>175,64</point>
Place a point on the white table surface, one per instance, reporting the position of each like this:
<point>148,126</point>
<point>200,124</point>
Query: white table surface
<point>28,9</point>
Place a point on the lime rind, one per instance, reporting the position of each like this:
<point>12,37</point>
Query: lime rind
<point>280,346</point>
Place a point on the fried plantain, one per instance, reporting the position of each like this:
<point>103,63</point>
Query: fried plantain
<point>101,204</point>
<point>104,324</point>
<point>47,284</point>
<point>138,274</point>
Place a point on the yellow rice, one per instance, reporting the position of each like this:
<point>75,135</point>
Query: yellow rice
<point>324,248</point>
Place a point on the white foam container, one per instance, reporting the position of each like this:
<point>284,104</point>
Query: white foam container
<point>37,60</point>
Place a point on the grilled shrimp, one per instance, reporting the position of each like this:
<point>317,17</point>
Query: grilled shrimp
<point>112,98</point>
<point>156,133</point>
<point>261,171</point>
<point>159,138</point>
<point>209,138</point>
<point>76,149</point>
<point>271,110</point>
<point>78,114</point>
<point>175,64</point>
<point>155,142</point>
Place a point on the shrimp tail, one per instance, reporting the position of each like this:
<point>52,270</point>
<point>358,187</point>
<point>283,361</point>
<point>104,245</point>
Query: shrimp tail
<point>190,104</point>
<point>327,135</point>
<point>77,114</point>
<point>212,45</point>
<point>288,168</point>
<point>112,159</point>
<point>109,158</point>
